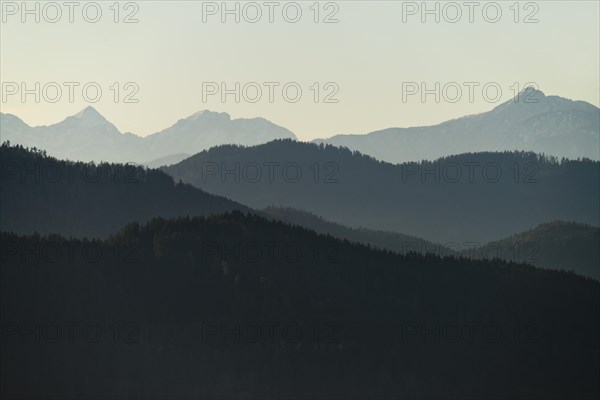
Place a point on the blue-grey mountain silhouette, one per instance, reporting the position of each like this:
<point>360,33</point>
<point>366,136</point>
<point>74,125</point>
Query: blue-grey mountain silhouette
<point>532,121</point>
<point>88,136</point>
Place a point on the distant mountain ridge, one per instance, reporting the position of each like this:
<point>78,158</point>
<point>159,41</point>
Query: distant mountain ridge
<point>535,122</point>
<point>88,136</point>
<point>458,198</point>
<point>549,125</point>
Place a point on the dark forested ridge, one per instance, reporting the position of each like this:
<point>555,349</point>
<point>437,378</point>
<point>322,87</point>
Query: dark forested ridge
<point>46,195</point>
<point>475,197</point>
<point>221,304</point>
<point>555,245</point>
<point>185,305</point>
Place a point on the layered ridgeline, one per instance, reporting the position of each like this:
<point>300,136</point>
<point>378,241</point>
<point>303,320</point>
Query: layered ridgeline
<point>532,122</point>
<point>46,195</point>
<point>235,306</point>
<point>394,241</point>
<point>559,245</point>
<point>469,198</point>
<point>88,136</point>
<point>42,194</point>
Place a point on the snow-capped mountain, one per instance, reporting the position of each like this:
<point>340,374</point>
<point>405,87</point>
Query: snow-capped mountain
<point>545,124</point>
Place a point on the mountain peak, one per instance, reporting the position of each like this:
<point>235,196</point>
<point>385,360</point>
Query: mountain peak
<point>527,97</point>
<point>88,118</point>
<point>88,112</point>
<point>531,91</point>
<point>208,114</point>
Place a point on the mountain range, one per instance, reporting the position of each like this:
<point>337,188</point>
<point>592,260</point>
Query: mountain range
<point>550,125</point>
<point>279,303</point>
<point>83,200</point>
<point>88,136</point>
<point>474,197</point>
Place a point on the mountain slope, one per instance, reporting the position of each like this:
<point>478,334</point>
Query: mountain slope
<point>555,245</point>
<point>543,124</point>
<point>45,195</point>
<point>468,198</point>
<point>397,242</point>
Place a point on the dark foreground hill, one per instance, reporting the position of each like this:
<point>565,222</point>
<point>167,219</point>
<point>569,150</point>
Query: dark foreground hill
<point>236,306</point>
<point>46,195</point>
<point>460,199</point>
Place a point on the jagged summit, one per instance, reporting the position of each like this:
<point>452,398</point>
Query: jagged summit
<point>532,91</point>
<point>208,114</point>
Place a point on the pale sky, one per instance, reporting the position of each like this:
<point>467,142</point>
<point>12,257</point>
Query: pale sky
<point>368,54</point>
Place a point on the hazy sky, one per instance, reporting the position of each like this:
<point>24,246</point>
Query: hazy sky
<point>171,53</point>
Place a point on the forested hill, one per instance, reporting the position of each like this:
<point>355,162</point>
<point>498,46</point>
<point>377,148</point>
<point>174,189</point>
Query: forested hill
<point>308,315</point>
<point>46,195</point>
<point>474,197</point>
